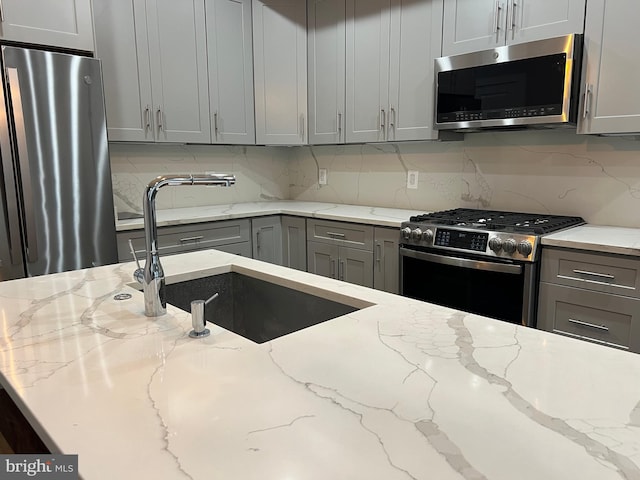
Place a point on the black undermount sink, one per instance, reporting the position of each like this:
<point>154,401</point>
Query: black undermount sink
<point>256,309</point>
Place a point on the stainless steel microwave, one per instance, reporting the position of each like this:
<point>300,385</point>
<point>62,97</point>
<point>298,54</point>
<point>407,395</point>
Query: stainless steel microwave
<point>535,83</point>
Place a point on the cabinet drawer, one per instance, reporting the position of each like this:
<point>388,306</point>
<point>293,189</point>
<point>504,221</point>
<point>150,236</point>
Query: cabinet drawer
<point>615,274</point>
<point>597,317</point>
<point>186,238</point>
<point>341,233</point>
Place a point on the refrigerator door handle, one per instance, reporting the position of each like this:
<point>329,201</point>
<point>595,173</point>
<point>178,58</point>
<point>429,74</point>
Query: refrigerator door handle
<point>31,243</point>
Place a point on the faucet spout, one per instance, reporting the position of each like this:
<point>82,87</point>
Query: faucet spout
<point>155,303</point>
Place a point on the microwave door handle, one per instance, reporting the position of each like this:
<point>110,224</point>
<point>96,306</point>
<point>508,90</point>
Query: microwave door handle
<point>462,262</point>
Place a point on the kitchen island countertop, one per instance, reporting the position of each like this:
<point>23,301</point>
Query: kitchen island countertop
<point>400,389</point>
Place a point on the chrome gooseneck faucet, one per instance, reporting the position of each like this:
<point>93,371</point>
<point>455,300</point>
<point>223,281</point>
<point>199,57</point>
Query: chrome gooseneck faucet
<point>152,275</point>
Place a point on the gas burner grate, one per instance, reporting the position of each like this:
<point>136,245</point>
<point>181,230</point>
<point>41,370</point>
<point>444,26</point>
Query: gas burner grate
<point>527,223</point>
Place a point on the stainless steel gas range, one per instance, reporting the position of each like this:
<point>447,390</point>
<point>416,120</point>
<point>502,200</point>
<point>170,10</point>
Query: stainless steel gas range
<point>478,261</point>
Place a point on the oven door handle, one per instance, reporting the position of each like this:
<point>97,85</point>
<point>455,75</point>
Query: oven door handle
<point>462,262</point>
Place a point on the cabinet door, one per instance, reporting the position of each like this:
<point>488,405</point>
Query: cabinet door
<point>294,243</point>
<point>60,23</point>
<point>416,41</point>
<point>178,52</point>
<point>230,48</point>
<point>326,39</point>
<point>539,19</point>
<point>610,103</point>
<point>355,266</point>
<point>472,25</point>
<point>386,267</point>
<point>322,259</point>
<point>367,89</point>
<point>267,239</point>
<point>122,47</point>
<point>280,69</point>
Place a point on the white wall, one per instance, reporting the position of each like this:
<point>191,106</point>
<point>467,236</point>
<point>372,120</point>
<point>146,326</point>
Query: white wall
<point>553,171</point>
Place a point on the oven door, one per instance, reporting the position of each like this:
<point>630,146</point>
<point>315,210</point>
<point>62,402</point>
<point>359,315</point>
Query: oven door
<point>496,289</point>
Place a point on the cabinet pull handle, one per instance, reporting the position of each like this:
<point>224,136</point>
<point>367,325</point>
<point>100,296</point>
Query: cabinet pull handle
<point>383,119</point>
<point>594,274</point>
<point>512,22</point>
<point>215,124</point>
<point>496,17</point>
<point>378,253</point>
<point>1,12</point>
<point>191,239</point>
<point>302,127</point>
<point>159,118</point>
<point>341,272</point>
<point>258,241</point>
<point>586,107</point>
<point>336,234</point>
<point>147,119</point>
<point>587,324</point>
<point>332,262</point>
<point>339,126</point>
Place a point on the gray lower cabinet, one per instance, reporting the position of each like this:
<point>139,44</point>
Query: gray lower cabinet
<point>591,296</point>
<point>266,233</point>
<point>340,250</point>
<point>386,266</point>
<point>233,236</point>
<point>280,239</point>
<point>294,242</point>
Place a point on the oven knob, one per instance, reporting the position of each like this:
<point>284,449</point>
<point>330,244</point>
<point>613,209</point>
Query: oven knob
<point>525,248</point>
<point>406,233</point>
<point>509,245</point>
<point>495,244</point>
<point>416,234</point>
<point>427,235</point>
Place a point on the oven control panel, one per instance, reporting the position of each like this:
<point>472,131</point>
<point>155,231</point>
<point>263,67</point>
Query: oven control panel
<point>514,246</point>
<point>475,241</point>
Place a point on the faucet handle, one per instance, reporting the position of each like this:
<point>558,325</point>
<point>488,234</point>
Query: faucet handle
<point>138,275</point>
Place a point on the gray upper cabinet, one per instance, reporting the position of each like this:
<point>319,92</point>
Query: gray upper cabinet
<point>229,42</point>
<point>416,41</point>
<point>326,43</point>
<point>610,102</point>
<point>154,59</point>
<point>391,46</point>
<point>472,25</point>
<point>60,23</point>
<point>280,71</point>
<point>367,90</point>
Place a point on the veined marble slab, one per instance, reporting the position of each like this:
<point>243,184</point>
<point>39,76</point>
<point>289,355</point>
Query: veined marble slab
<point>389,217</point>
<point>400,389</point>
<point>597,238</point>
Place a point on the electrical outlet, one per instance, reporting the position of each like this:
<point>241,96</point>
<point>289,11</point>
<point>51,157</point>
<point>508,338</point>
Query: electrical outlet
<point>412,179</point>
<point>322,176</point>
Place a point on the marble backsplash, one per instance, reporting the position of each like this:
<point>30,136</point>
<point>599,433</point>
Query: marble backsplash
<point>553,171</point>
<point>261,173</point>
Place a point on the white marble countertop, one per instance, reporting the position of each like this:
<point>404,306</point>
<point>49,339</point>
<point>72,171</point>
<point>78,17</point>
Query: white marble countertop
<point>597,238</point>
<point>382,216</point>
<point>398,390</point>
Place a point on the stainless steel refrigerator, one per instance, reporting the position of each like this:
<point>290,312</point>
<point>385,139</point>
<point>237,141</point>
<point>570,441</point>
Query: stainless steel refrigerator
<point>56,202</point>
